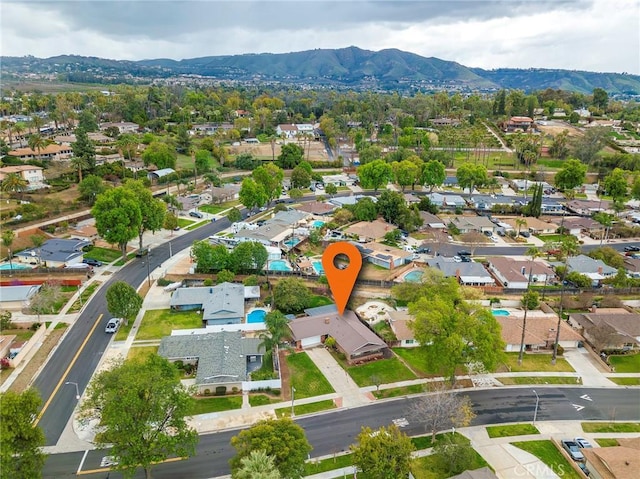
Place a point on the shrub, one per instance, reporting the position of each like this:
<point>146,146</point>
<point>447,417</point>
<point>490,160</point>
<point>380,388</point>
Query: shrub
<point>208,282</point>
<point>207,392</point>
<point>34,326</point>
<point>163,282</point>
<point>560,350</point>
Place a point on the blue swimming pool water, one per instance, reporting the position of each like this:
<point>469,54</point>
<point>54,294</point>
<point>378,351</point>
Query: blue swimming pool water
<point>291,242</point>
<point>256,316</point>
<point>317,267</point>
<point>279,265</point>
<point>7,266</point>
<point>500,312</point>
<point>413,276</point>
<point>317,224</point>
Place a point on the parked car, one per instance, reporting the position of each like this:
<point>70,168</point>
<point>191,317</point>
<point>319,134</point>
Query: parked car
<point>142,252</point>
<point>113,325</point>
<point>632,248</point>
<point>465,259</point>
<point>488,234</point>
<point>464,252</point>
<point>196,214</point>
<point>423,250</point>
<point>457,259</point>
<point>572,449</point>
<point>583,468</point>
<point>92,262</point>
<point>583,443</point>
<point>525,234</point>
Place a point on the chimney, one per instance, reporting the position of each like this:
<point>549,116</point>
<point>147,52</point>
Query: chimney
<point>599,269</point>
<point>327,320</point>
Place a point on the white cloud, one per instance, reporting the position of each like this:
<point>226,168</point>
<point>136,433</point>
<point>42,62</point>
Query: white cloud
<point>598,35</point>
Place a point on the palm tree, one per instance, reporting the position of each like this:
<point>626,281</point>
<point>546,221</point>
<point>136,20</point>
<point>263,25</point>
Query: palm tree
<point>18,129</point>
<point>36,142</point>
<point>14,183</point>
<point>533,253</point>
<point>520,222</point>
<point>568,247</point>
<point>7,240</point>
<point>257,465</point>
<point>79,163</point>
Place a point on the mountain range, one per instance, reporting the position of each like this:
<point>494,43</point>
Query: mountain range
<point>350,67</point>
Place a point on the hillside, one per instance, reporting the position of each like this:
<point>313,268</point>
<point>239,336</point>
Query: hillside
<point>349,67</point>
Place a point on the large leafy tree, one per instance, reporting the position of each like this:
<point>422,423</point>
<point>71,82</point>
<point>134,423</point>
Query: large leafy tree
<point>90,188</point>
<point>571,175</point>
<point>300,178</point>
<point>252,195</point>
<point>290,156</point>
<point>375,174</point>
<point>365,210</point>
<point>616,184</point>
<point>210,257</point>
<point>152,209</point>
<point>270,177</point>
<point>123,301</point>
<point>204,161</point>
<point>140,409</point>
<point>21,441</point>
<point>470,175</point>
<point>383,454</point>
<point>248,256</point>
<point>118,217</point>
<point>291,295</point>
<point>433,174</point>
<point>84,153</point>
<point>160,154</point>
<point>281,439</point>
<point>405,173</point>
<point>391,205</point>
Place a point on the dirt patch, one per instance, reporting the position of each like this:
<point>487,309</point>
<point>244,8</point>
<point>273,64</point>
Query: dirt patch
<point>285,375</point>
<point>315,151</point>
<point>555,130</point>
<point>24,379</point>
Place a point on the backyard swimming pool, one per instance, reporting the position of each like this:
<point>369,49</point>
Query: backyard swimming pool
<point>256,316</point>
<point>317,224</point>
<point>500,312</point>
<point>317,267</point>
<point>278,265</point>
<point>291,242</point>
<point>413,276</point>
<point>7,266</point>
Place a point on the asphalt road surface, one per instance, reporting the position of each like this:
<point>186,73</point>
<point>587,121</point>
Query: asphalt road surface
<point>333,432</point>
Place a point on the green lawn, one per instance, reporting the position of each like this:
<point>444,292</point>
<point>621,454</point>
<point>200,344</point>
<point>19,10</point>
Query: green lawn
<point>105,255</point>
<point>140,353</point>
<point>548,453</point>
<point>416,359</point>
<point>197,225</point>
<point>183,222</point>
<point>319,301</point>
<point>158,323</point>
<point>538,380</point>
<point>511,430</point>
<point>629,363</point>
<point>607,442</point>
<point>550,163</point>
<point>120,262</point>
<point>20,334</point>
<point>432,467</point>
<point>315,466</point>
<point>213,209</point>
<point>552,238</point>
<point>306,378</point>
<point>626,381</point>
<point>262,400</point>
<point>382,371</point>
<point>84,297</point>
<point>611,426</point>
<point>538,363</point>
<point>306,408</point>
<point>403,391</point>
<point>215,404</point>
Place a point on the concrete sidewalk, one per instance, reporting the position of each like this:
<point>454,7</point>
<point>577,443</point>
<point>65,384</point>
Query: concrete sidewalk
<point>582,362</point>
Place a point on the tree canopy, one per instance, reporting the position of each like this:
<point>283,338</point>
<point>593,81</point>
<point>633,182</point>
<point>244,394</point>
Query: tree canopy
<point>290,156</point>
<point>123,301</point>
<point>291,295</point>
<point>140,409</point>
<point>160,154</point>
<point>384,453</point>
<point>118,216</point>
<point>152,209</point>
<point>571,175</point>
<point>375,174</point>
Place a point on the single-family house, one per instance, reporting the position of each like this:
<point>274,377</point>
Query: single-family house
<point>540,333</point>
<point>15,298</point>
<point>468,274</point>
<point>490,202</point>
<point>112,158</point>
<point>551,206</point>
<point>608,329</point>
<point>287,131</point>
<point>220,304</point>
<point>444,121</point>
<point>432,221</point>
<point>318,208</point>
<point>122,126</point>
<point>370,230</point>
<point>632,265</point>
<point>436,199</point>
<point>450,181</point>
<point>400,321</point>
<point>514,274</point>
<point>580,226</point>
<point>587,207</point>
<point>411,199</point>
<point>350,200</point>
<point>533,225</point>
<point>54,253</point>
<point>595,269</point>
<point>468,224</point>
<point>49,152</point>
<point>354,339</point>
<point>341,179</point>
<point>226,192</point>
<point>224,359</point>
<point>87,233</point>
<point>388,257</point>
<point>616,462</point>
<point>518,123</point>
<point>32,174</point>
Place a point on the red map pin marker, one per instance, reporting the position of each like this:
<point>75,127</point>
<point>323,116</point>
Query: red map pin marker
<point>341,281</point>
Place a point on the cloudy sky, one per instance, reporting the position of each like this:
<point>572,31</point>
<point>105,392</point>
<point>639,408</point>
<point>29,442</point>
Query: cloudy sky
<point>595,35</point>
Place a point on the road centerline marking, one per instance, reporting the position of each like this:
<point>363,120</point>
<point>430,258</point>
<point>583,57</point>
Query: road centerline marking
<point>66,372</point>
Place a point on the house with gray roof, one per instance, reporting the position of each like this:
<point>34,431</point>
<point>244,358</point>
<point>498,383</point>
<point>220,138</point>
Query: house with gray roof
<point>595,269</point>
<point>608,329</point>
<point>468,274</point>
<point>156,175</point>
<point>220,304</point>
<point>223,360</point>
<point>350,200</point>
<point>353,338</point>
<point>467,224</point>
<point>55,253</point>
<point>14,298</point>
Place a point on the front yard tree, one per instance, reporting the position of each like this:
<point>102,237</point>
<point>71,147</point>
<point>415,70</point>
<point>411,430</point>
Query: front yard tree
<point>257,465</point>
<point>123,301</point>
<point>44,301</point>
<point>159,154</point>
<point>405,173</point>
<point>139,408</point>
<point>331,189</point>
<point>385,454</point>
<point>470,176</point>
<point>290,156</point>
<point>291,295</point>
<point>433,174</point>
<point>118,217</point>
<point>454,454</point>
<point>90,188</point>
<point>252,195</point>
<point>571,175</point>
<point>616,184</point>
<point>234,215</point>
<point>203,161</point>
<point>21,441</point>
<point>270,177</point>
<point>442,410</point>
<point>210,258</point>
<point>300,178</point>
<point>170,221</point>
<point>281,439</point>
<point>365,210</point>
<point>375,174</point>
<point>152,209</point>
